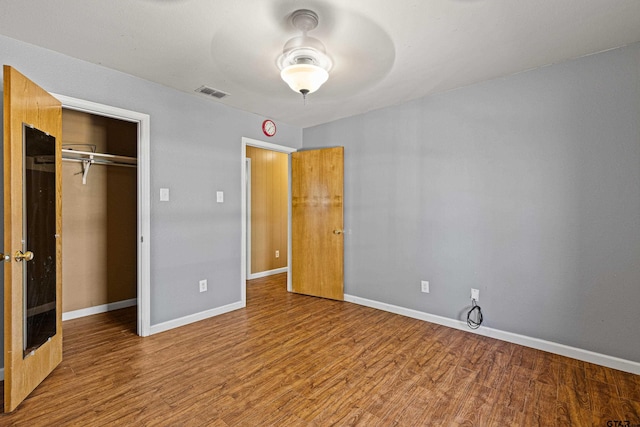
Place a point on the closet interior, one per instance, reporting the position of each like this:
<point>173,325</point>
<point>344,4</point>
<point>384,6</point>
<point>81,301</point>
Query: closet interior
<point>99,212</point>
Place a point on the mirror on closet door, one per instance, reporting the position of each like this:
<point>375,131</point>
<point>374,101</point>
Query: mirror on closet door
<point>39,238</point>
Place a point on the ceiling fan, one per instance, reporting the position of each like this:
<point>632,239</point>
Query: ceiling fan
<point>347,50</point>
<point>304,63</point>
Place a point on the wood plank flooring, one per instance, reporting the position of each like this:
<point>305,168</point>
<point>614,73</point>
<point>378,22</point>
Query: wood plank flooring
<point>292,360</point>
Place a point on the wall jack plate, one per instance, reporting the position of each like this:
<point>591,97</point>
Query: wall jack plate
<point>475,294</point>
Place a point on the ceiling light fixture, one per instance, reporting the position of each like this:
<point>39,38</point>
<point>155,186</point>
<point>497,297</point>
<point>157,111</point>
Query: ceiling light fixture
<point>304,63</point>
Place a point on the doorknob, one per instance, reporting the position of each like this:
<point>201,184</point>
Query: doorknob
<point>27,256</point>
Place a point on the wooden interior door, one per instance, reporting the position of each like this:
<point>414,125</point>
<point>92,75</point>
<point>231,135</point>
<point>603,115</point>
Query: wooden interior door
<point>32,227</point>
<point>317,244</point>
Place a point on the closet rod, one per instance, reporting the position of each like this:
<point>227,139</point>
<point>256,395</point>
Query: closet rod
<point>98,158</point>
<point>88,158</point>
<point>100,162</point>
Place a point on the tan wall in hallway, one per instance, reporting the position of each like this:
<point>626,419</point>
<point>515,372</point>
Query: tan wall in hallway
<point>269,189</point>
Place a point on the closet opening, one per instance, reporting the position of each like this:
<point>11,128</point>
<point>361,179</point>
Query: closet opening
<point>99,213</point>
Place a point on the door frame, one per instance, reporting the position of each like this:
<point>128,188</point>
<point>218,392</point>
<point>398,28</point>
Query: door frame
<point>247,217</point>
<point>243,201</point>
<point>144,206</point>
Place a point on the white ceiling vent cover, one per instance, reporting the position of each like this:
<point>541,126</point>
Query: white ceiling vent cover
<point>206,90</point>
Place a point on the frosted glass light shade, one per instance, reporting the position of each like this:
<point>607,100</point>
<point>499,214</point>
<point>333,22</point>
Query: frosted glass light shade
<point>304,78</point>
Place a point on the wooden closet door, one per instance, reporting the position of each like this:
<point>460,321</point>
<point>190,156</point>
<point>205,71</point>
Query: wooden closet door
<point>32,223</point>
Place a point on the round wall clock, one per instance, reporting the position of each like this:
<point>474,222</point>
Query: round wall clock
<point>269,128</point>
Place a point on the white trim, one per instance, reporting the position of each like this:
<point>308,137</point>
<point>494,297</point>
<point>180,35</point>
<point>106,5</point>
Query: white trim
<point>75,314</point>
<point>247,218</point>
<point>268,145</point>
<point>243,201</point>
<point>552,347</point>
<point>260,274</point>
<point>192,318</point>
<point>144,202</point>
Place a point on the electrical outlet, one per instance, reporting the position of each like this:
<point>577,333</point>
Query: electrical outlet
<point>203,285</point>
<point>277,254</point>
<point>475,294</point>
<point>425,286</point>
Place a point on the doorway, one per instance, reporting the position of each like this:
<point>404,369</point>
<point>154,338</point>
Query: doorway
<point>267,212</point>
<point>141,139</point>
<point>244,208</point>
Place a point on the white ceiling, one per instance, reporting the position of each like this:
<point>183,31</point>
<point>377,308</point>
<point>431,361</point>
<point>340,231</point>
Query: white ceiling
<point>384,51</point>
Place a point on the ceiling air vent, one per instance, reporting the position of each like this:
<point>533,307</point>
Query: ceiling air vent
<point>212,92</point>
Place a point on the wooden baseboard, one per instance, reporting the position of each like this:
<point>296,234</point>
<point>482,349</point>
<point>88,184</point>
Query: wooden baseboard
<point>551,347</point>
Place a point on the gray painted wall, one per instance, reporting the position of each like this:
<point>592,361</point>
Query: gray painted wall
<point>526,187</point>
<point>195,151</point>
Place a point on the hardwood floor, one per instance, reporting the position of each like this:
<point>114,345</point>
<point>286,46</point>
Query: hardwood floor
<point>292,360</point>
